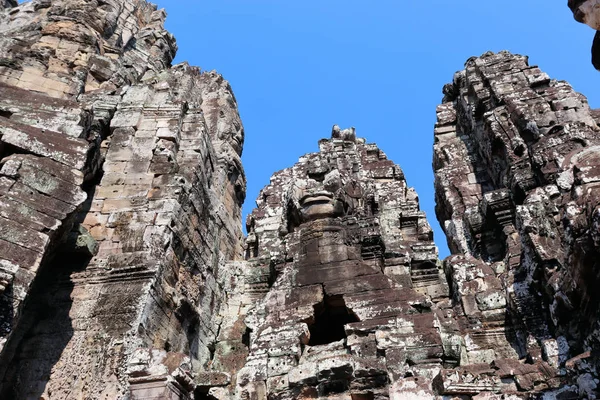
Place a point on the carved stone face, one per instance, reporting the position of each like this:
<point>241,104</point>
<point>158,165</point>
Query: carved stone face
<point>231,131</point>
<point>586,12</point>
<point>323,198</point>
<point>320,204</point>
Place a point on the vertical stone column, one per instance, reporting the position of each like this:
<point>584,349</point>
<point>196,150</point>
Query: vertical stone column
<point>508,190</point>
<point>163,210</point>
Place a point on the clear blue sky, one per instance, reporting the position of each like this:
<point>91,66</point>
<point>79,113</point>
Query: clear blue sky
<point>298,67</point>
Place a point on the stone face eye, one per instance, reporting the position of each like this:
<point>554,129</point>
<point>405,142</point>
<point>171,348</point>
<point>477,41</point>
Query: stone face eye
<point>333,181</point>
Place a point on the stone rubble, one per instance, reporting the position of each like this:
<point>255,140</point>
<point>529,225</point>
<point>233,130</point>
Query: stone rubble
<point>124,273</point>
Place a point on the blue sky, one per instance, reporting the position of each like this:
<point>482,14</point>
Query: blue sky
<point>298,67</point>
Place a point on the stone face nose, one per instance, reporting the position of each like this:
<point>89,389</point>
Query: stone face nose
<point>574,4</point>
<point>579,15</point>
<point>588,12</point>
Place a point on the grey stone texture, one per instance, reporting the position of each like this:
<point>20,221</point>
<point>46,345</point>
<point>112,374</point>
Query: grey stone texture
<point>121,192</point>
<point>516,159</point>
<point>124,273</point>
<point>4,4</point>
<point>346,289</point>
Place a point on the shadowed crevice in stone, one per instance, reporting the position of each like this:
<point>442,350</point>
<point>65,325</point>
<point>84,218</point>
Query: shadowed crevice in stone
<point>198,395</point>
<point>327,324</point>
<point>44,331</point>
<point>333,387</point>
<point>46,327</point>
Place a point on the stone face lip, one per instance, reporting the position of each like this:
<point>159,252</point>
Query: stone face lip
<point>586,12</point>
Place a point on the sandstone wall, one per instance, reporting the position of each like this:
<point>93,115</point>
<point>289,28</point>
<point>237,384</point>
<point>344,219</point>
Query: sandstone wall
<point>124,273</point>
<point>350,291</point>
<point>342,296</point>
<point>515,159</point>
<point>121,203</point>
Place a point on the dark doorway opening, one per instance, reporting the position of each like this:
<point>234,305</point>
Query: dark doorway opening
<point>327,324</point>
<point>200,394</point>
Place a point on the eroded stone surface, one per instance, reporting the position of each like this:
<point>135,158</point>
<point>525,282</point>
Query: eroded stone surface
<point>343,295</point>
<point>343,278</point>
<point>120,204</point>
<point>62,48</point>
<point>516,167</point>
<point>124,272</point>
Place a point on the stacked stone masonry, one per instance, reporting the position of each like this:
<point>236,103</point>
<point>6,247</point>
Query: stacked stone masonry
<point>350,295</point>
<point>124,273</point>
<point>516,157</point>
<point>121,192</point>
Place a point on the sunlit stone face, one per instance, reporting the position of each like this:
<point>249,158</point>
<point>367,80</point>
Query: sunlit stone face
<point>323,198</point>
<point>320,204</point>
<point>587,12</point>
<point>231,132</point>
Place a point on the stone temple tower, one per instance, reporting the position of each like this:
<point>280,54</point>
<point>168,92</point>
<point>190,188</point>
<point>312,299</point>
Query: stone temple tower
<point>351,286</point>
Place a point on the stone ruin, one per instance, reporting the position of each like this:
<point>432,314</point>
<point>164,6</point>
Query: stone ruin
<point>124,272</point>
